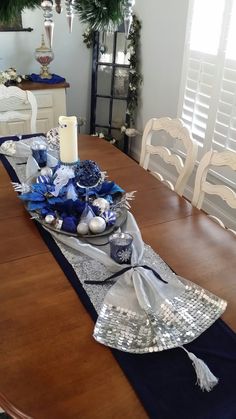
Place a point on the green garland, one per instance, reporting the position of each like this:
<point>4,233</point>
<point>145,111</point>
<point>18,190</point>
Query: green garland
<point>135,77</point>
<point>88,37</point>
<point>10,9</point>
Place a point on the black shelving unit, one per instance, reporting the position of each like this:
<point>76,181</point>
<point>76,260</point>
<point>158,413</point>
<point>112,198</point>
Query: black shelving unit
<point>108,103</point>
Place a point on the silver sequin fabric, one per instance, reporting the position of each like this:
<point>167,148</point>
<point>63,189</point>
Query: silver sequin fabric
<point>178,321</point>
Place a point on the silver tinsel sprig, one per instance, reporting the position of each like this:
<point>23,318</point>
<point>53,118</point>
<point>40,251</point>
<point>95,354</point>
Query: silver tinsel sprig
<point>124,201</point>
<point>21,187</point>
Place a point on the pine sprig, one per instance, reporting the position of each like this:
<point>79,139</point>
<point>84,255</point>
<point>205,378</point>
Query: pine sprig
<point>10,9</point>
<point>100,14</point>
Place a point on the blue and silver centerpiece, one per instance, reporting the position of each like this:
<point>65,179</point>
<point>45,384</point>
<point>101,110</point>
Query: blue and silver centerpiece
<point>76,199</point>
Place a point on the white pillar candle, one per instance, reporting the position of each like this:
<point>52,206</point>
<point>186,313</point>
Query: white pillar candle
<point>68,135</point>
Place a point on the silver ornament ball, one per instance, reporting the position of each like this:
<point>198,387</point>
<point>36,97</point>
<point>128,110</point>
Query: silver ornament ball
<point>102,204</point>
<point>97,225</point>
<point>46,171</point>
<point>49,218</point>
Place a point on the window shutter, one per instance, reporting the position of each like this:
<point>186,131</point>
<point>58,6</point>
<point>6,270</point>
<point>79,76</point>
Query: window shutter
<point>208,90</point>
<point>201,70</point>
<point>208,105</point>
<point>224,135</point>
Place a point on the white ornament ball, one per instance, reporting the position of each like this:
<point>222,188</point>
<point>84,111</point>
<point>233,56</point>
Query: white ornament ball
<point>97,225</point>
<point>46,171</point>
<point>82,228</point>
<point>49,218</point>
<point>102,204</point>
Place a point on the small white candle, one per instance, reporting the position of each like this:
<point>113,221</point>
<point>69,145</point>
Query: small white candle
<point>68,139</point>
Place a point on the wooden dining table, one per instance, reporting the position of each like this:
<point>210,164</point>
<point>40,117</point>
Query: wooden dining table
<point>50,365</point>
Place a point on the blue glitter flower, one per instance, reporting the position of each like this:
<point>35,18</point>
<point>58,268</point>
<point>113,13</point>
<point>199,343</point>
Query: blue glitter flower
<point>40,196</point>
<point>87,174</point>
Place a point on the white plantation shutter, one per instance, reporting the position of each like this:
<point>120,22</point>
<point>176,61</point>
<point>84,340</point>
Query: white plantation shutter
<point>199,85</point>
<point>224,135</point>
<point>208,91</point>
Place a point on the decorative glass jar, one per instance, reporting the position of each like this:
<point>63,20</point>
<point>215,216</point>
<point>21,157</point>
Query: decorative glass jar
<point>44,55</point>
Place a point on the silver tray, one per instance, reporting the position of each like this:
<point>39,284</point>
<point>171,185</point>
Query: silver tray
<point>121,218</point>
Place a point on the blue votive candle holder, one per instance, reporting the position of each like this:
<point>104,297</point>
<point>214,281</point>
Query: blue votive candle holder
<point>39,153</point>
<point>121,247</point>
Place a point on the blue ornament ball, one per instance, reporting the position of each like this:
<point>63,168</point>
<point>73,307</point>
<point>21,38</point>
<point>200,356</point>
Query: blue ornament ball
<point>43,179</point>
<point>109,217</point>
<point>87,173</point>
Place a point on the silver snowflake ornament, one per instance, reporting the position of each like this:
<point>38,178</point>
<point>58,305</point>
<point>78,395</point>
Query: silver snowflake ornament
<point>124,255</point>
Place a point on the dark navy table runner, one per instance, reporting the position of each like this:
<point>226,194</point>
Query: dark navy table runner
<point>165,382</point>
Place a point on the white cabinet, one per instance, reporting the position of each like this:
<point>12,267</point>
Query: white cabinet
<point>51,101</point>
<point>51,104</point>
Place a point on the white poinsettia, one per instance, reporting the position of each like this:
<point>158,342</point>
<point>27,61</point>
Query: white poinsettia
<point>10,75</point>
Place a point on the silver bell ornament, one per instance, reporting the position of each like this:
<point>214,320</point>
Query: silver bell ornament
<point>97,225</point>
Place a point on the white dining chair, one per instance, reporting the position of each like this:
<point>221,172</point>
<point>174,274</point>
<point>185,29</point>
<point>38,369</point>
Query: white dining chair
<point>17,105</point>
<point>209,161</point>
<point>176,130</point>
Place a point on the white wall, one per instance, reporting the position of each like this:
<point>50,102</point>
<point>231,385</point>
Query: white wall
<point>162,47</point>
<point>72,58</point>
<point>162,44</point>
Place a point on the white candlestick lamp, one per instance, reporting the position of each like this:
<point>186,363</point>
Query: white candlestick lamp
<point>68,135</point>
